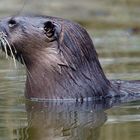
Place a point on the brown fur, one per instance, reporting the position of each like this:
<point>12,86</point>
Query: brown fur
<point>60,58</point>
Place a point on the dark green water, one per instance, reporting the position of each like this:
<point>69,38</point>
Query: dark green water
<point>111,24</point>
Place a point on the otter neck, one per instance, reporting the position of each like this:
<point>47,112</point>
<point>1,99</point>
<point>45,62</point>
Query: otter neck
<point>50,78</point>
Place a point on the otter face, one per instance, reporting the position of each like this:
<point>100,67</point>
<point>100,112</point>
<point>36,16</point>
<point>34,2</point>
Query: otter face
<point>53,40</point>
<point>24,35</point>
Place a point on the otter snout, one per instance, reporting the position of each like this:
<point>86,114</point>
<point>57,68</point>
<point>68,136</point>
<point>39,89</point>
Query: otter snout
<point>6,25</point>
<point>1,28</point>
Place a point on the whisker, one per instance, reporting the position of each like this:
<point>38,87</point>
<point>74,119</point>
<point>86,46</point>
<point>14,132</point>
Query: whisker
<point>25,65</point>
<point>10,51</point>
<point>4,46</point>
<point>15,51</point>
<point>30,75</point>
<point>0,45</point>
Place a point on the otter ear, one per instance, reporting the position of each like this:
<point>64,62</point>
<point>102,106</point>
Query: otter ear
<point>49,28</point>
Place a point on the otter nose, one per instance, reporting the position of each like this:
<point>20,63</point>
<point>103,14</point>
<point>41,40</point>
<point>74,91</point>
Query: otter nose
<point>0,26</point>
<point>1,30</point>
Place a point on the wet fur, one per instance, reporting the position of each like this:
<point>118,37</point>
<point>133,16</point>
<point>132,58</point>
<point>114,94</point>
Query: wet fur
<point>65,66</point>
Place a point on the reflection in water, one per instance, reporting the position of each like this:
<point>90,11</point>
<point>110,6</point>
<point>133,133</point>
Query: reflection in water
<point>59,121</point>
<point>69,121</point>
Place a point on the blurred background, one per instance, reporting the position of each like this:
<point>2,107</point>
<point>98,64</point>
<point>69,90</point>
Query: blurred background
<point>114,26</point>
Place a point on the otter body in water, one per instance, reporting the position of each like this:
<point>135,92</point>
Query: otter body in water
<point>60,59</point>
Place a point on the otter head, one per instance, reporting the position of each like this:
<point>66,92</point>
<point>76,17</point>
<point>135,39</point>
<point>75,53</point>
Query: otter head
<point>59,55</point>
<point>27,36</point>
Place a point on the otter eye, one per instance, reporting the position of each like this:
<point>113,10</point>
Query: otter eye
<point>12,23</point>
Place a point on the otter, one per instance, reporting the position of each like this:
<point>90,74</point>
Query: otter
<point>60,60</point>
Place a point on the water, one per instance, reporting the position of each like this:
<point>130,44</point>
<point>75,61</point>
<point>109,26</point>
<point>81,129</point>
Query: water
<point>112,26</point>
